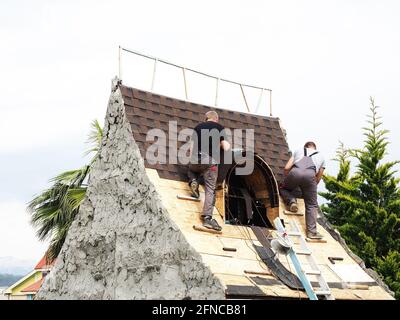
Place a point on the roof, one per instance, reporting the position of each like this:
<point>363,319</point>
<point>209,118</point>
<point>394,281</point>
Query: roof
<point>33,288</point>
<point>155,250</point>
<point>20,281</point>
<point>43,264</point>
<point>242,272</point>
<point>147,110</point>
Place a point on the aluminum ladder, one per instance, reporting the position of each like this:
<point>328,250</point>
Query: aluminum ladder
<point>312,293</point>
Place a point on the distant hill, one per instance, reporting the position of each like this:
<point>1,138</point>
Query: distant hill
<point>15,266</point>
<point>8,279</point>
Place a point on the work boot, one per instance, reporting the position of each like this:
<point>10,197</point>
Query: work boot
<point>314,236</point>
<point>293,207</point>
<point>211,223</point>
<point>194,187</point>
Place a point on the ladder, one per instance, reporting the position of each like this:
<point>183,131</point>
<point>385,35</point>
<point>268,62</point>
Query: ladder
<point>312,293</point>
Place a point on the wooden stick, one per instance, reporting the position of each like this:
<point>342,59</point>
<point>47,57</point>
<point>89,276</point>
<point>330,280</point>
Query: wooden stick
<point>261,273</point>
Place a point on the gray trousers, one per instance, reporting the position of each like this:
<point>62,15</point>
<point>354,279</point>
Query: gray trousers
<point>305,179</point>
<point>210,175</point>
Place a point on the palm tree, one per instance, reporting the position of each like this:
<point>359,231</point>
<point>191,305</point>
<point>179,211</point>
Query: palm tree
<point>54,210</point>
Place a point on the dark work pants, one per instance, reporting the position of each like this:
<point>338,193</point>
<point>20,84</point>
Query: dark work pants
<point>305,179</point>
<point>210,175</point>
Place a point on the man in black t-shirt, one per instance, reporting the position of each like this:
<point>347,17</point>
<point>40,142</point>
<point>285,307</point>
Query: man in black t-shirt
<point>207,140</point>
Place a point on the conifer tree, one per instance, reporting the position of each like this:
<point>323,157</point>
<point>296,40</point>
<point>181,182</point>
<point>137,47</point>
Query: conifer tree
<point>338,210</point>
<point>365,207</point>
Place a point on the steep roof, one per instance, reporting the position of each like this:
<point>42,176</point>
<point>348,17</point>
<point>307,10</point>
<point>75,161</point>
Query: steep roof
<point>133,239</point>
<point>242,272</point>
<point>22,281</point>
<point>146,110</point>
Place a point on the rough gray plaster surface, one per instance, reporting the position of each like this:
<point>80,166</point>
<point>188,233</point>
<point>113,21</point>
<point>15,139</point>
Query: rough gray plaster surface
<point>123,244</point>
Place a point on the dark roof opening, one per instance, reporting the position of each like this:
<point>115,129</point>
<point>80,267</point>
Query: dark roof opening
<point>251,200</point>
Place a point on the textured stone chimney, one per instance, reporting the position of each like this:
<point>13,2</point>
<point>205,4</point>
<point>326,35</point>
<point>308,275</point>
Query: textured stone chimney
<point>123,244</point>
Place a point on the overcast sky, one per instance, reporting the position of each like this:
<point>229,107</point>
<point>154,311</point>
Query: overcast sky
<point>322,59</point>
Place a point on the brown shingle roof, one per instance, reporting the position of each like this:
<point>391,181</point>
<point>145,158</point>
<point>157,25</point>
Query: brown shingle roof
<point>147,110</point>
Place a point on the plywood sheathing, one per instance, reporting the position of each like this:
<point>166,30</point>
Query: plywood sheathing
<point>229,267</point>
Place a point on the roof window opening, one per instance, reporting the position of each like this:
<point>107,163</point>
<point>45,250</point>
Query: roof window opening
<point>251,200</point>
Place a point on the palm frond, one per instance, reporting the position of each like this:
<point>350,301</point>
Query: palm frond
<point>95,137</point>
<point>54,210</point>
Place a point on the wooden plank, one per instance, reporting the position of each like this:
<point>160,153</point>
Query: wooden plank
<point>351,273</point>
<point>264,273</point>
<point>282,291</point>
<point>246,283</point>
<point>210,243</point>
<point>186,219</point>
<point>358,287</point>
<point>316,240</point>
<point>243,291</point>
<point>232,265</point>
<point>228,279</point>
<point>240,286</point>
<point>373,293</point>
<point>245,249</point>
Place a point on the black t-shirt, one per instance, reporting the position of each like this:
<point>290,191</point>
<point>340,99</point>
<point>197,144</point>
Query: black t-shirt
<point>207,139</point>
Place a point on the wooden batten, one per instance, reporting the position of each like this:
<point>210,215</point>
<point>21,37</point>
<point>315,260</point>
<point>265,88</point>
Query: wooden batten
<point>272,214</point>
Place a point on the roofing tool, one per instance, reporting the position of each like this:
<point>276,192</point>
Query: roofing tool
<point>281,244</point>
<point>187,198</point>
<point>199,227</point>
<point>333,259</point>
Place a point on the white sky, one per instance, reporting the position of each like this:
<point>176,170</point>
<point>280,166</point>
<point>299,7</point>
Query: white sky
<point>322,59</point>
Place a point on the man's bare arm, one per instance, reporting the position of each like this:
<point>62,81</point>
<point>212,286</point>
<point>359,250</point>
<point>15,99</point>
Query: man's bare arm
<point>225,145</point>
<point>289,166</point>
<point>319,174</point>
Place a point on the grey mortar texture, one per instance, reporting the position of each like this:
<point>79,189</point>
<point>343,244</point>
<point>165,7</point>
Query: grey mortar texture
<point>123,243</point>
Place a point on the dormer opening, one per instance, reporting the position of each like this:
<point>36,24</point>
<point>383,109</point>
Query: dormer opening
<point>253,199</point>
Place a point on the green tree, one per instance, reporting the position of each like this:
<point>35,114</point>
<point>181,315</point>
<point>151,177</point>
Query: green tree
<point>54,210</point>
<point>365,207</point>
<point>389,268</point>
<point>338,188</point>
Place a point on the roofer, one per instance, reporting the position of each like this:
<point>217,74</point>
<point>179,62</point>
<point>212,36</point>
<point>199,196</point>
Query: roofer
<point>207,141</point>
<point>304,169</point>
